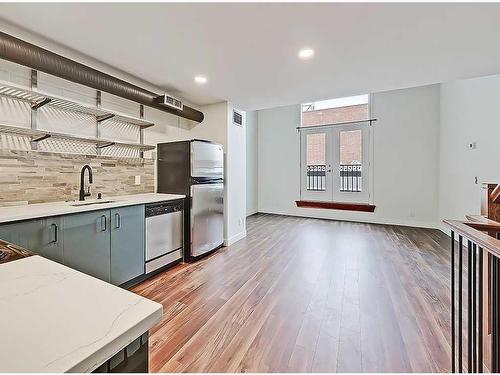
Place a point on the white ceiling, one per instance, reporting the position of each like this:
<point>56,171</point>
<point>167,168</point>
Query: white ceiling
<point>249,51</point>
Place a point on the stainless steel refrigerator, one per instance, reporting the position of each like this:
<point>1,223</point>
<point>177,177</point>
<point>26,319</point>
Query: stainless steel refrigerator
<point>196,169</point>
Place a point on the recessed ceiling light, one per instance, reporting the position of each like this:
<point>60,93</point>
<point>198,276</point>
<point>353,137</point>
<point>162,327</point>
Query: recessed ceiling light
<point>306,53</point>
<point>200,80</point>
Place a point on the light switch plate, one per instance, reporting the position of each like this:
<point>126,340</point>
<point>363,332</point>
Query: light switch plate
<point>471,145</point>
<point>137,180</point>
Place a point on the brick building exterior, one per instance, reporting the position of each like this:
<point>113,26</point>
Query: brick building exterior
<point>335,115</point>
<point>350,141</point>
<point>350,147</point>
<point>316,149</point>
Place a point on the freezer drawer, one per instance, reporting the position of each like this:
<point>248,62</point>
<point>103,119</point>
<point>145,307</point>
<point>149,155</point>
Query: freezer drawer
<point>207,160</point>
<point>207,218</point>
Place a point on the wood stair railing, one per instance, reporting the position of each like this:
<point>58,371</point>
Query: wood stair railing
<point>479,238</point>
<point>495,195</point>
<point>482,337</point>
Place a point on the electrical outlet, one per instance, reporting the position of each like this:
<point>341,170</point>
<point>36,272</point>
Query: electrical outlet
<point>137,180</point>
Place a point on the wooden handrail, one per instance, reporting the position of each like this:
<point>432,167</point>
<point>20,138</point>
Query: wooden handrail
<point>484,224</point>
<point>495,194</point>
<point>482,219</point>
<point>474,231</point>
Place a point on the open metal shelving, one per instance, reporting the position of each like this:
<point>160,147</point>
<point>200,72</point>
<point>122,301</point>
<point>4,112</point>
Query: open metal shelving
<point>37,100</point>
<point>37,135</point>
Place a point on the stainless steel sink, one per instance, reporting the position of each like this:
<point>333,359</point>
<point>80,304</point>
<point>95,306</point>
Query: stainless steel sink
<point>89,203</point>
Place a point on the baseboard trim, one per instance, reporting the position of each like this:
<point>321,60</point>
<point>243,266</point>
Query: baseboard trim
<point>233,239</point>
<point>312,215</point>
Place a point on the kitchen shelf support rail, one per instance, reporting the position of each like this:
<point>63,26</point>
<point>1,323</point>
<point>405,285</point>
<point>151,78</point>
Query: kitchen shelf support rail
<point>104,117</point>
<point>41,103</point>
<point>100,147</point>
<point>41,138</point>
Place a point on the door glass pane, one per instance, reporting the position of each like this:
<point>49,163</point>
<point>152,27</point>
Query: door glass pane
<point>350,171</point>
<point>316,162</point>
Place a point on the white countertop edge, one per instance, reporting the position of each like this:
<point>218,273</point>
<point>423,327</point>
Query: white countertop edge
<point>109,350</point>
<point>42,210</point>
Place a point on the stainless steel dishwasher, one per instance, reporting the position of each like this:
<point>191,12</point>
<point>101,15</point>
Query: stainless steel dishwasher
<point>164,234</point>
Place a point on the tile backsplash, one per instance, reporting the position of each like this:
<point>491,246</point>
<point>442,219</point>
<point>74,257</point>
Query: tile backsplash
<point>37,177</point>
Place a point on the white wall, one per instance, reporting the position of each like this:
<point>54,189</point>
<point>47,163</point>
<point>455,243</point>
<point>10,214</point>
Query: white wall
<point>252,163</point>
<point>278,149</point>
<point>214,126</point>
<point>235,182</point>
<point>406,160</point>
<point>470,111</point>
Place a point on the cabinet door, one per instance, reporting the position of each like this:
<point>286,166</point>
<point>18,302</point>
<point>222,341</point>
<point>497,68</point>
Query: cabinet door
<point>87,243</point>
<point>127,243</point>
<point>51,238</point>
<point>26,234</point>
<point>9,233</point>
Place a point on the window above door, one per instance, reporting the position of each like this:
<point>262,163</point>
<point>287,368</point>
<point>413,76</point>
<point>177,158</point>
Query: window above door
<point>335,111</point>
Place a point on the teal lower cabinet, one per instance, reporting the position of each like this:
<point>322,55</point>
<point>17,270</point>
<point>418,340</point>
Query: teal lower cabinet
<point>87,243</point>
<point>42,236</point>
<point>7,233</point>
<point>51,238</point>
<point>107,244</point>
<point>26,234</point>
<point>127,243</point>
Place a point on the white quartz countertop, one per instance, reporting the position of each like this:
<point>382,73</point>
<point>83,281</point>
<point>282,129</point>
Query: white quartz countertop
<point>56,319</point>
<point>38,210</point>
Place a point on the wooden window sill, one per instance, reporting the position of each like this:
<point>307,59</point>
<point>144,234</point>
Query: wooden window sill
<point>362,207</point>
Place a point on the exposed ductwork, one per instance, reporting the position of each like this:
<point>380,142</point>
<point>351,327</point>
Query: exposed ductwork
<point>34,57</point>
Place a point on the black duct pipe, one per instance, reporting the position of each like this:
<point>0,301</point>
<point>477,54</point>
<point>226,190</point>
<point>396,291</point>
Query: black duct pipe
<point>27,54</point>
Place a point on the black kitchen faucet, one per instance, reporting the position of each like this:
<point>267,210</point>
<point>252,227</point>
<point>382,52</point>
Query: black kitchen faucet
<point>84,194</point>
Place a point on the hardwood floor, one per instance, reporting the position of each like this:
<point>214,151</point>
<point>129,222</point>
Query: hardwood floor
<point>308,295</point>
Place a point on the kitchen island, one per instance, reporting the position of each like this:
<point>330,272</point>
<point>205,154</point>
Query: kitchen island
<point>57,319</point>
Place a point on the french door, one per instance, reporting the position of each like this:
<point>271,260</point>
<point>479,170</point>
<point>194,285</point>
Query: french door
<point>335,163</point>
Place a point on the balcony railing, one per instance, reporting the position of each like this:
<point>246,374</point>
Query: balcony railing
<point>351,178</point>
<point>316,177</point>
